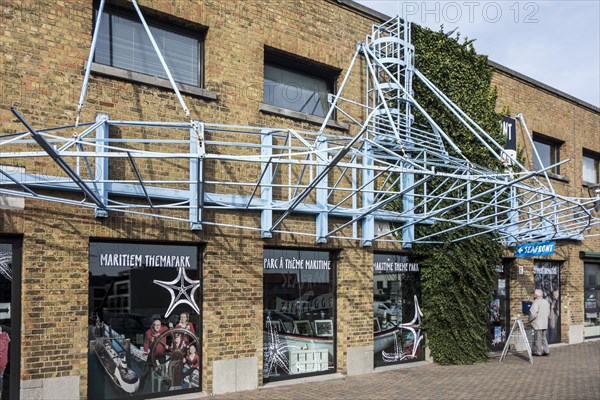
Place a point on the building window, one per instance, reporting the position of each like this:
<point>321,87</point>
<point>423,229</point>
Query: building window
<point>295,84</point>
<point>10,318</point>
<point>499,314</point>
<point>591,167</point>
<point>591,300</point>
<point>123,43</point>
<point>396,311</point>
<point>145,333</point>
<point>299,327</point>
<point>548,150</point>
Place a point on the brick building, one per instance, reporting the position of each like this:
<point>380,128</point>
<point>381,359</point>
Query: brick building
<point>85,293</point>
<point>562,127</point>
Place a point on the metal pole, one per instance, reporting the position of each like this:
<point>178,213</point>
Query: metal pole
<point>59,160</point>
<point>162,60</point>
<point>88,66</point>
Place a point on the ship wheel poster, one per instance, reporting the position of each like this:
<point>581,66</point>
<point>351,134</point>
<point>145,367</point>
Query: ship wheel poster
<point>144,320</point>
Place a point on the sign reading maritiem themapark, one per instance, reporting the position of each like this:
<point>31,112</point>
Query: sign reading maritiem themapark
<point>534,249</point>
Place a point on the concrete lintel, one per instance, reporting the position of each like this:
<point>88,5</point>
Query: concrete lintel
<point>11,203</point>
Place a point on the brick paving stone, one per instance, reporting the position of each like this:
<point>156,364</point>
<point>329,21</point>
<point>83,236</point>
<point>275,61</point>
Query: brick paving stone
<point>572,372</point>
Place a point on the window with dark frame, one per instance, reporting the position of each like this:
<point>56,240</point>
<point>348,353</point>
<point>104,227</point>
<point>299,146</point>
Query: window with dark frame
<point>591,167</point>
<point>145,341</point>
<point>397,332</point>
<point>296,84</point>
<point>591,300</point>
<point>10,317</point>
<point>548,150</point>
<point>299,336</point>
<point>123,43</point>
<point>7,310</point>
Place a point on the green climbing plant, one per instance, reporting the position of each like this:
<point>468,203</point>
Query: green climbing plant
<point>457,277</point>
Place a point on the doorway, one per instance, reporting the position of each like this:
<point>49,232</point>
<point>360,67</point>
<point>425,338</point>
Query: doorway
<point>546,276</point>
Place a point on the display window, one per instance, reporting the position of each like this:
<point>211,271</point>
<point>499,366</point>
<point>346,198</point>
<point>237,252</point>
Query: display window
<point>299,327</point>
<point>9,318</point>
<point>499,310</point>
<point>396,312</point>
<point>144,320</point>
<point>546,276</point>
<point>591,302</point>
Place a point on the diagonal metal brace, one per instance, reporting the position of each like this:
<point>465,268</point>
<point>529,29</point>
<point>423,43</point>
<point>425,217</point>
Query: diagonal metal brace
<point>16,182</point>
<point>139,176</point>
<point>60,161</point>
<point>382,204</point>
<point>334,161</point>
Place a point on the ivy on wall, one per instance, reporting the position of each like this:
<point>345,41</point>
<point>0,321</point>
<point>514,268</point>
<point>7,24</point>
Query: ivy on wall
<point>457,278</point>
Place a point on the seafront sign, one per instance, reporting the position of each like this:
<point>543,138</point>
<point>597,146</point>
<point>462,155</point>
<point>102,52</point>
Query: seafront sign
<point>534,249</point>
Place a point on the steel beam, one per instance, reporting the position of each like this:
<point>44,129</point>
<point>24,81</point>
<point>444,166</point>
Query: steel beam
<point>59,161</point>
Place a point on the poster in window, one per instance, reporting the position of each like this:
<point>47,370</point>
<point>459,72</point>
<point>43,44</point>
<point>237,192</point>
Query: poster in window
<point>498,335</point>
<point>398,336</point>
<point>546,277</point>
<point>144,322</point>
<point>495,311</point>
<point>6,280</point>
<point>501,287</point>
<point>299,292</point>
<point>324,327</point>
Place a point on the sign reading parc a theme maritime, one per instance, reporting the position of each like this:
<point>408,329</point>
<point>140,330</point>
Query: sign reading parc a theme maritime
<point>534,249</point>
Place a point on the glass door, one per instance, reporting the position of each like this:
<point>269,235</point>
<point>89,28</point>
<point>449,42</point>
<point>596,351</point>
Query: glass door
<point>546,276</point>
<point>9,323</point>
<point>591,306</point>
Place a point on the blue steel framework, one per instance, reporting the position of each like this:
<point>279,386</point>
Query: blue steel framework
<point>392,171</point>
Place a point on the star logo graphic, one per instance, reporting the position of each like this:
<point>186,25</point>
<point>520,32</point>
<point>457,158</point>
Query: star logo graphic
<point>182,291</point>
<point>275,352</point>
<point>408,347</point>
<point>5,263</point>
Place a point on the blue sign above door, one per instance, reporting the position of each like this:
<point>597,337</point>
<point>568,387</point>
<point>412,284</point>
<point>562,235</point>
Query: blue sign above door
<point>534,249</point>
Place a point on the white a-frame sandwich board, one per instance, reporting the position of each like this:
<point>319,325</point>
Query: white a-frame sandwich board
<point>518,324</point>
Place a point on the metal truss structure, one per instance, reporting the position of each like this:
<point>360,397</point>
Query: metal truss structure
<point>378,183</point>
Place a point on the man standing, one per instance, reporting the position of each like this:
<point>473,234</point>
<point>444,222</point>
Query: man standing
<point>538,317</point>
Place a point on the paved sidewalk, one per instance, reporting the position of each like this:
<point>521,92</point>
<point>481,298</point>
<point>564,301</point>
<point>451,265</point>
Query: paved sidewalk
<point>571,372</point>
